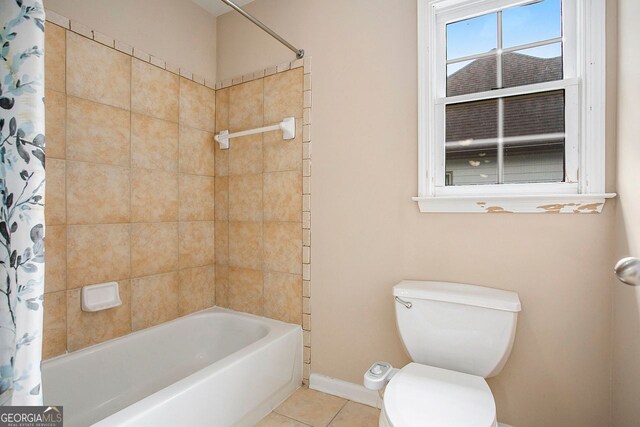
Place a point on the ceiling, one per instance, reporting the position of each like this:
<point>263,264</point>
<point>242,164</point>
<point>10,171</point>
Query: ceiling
<point>216,7</point>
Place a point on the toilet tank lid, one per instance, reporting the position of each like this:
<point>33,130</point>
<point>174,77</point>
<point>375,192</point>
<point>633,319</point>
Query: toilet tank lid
<point>459,293</point>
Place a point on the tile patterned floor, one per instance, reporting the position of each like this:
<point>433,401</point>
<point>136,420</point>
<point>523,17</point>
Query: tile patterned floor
<point>308,407</point>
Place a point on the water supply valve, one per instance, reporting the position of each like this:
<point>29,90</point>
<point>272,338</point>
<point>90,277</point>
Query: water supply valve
<point>378,375</point>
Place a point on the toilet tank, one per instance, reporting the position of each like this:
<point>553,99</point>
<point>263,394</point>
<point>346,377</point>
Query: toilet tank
<point>464,328</point>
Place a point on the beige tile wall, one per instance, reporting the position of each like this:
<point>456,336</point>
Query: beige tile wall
<point>137,192</point>
<point>130,191</point>
<point>258,216</point>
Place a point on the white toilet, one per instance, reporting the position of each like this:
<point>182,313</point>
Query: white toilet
<point>457,335</point>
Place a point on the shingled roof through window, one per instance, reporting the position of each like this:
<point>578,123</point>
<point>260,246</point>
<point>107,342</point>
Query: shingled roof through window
<point>524,115</point>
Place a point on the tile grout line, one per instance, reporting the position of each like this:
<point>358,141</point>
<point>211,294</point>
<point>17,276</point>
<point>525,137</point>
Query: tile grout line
<point>262,73</point>
<point>178,173</point>
<point>262,174</point>
<point>136,168</point>
<point>228,245</point>
<point>210,302</point>
<point>306,362</point>
<point>66,210</point>
<point>290,418</point>
<point>140,113</point>
<point>78,224</point>
<point>338,413</point>
<point>130,196</point>
<point>230,155</point>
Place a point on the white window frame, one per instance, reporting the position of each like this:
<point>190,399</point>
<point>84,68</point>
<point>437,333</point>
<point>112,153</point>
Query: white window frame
<point>584,85</point>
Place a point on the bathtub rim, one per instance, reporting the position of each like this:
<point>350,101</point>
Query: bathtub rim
<point>279,325</point>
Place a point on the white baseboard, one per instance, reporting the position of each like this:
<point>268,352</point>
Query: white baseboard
<point>356,392</point>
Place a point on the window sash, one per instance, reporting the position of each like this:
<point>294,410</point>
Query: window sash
<point>458,10</point>
<point>509,91</point>
<point>571,89</point>
<point>571,132</point>
<point>570,84</point>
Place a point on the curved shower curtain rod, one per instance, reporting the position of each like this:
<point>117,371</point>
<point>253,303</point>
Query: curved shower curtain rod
<point>299,52</point>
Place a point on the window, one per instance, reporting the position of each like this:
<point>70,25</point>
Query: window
<point>511,106</point>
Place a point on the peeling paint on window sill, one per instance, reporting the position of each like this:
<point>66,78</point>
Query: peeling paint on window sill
<point>546,203</point>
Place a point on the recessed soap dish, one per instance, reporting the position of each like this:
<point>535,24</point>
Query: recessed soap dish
<point>100,297</point>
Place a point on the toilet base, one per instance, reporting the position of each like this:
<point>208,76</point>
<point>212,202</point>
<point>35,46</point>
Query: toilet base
<point>384,421</point>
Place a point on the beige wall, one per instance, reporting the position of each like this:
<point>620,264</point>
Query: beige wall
<point>368,235</point>
<point>626,300</point>
<point>130,191</point>
<point>178,31</point>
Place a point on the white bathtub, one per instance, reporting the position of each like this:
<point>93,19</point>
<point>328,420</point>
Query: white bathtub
<point>212,368</point>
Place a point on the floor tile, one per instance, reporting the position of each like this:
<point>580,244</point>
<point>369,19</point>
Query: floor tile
<point>356,415</point>
<point>311,407</point>
<point>277,420</point>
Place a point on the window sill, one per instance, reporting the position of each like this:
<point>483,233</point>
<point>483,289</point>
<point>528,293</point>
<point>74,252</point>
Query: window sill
<point>543,203</point>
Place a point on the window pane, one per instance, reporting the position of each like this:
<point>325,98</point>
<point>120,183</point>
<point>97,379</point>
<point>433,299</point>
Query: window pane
<point>470,149</point>
<point>534,161</point>
<point>471,166</point>
<point>533,22</point>
<point>472,36</point>
<point>529,66</point>
<point>470,121</point>
<point>534,114</point>
<point>471,76</point>
<point>530,158</point>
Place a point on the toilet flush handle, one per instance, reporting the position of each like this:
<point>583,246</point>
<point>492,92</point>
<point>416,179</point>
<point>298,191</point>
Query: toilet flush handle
<point>407,304</point>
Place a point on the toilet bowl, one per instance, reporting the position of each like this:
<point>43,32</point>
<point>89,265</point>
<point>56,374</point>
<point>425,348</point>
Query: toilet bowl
<point>457,335</point>
<point>423,396</point>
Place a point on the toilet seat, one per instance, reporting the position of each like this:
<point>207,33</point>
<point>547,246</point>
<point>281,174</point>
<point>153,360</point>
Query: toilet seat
<point>426,396</point>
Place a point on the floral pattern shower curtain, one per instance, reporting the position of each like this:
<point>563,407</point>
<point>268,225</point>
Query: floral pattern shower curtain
<point>22,181</point>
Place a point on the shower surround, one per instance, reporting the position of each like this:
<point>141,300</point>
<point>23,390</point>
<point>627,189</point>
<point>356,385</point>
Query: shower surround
<point>139,193</point>
<point>263,198</point>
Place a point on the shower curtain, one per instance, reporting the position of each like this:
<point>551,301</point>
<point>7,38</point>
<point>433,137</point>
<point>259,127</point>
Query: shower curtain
<point>22,200</point>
